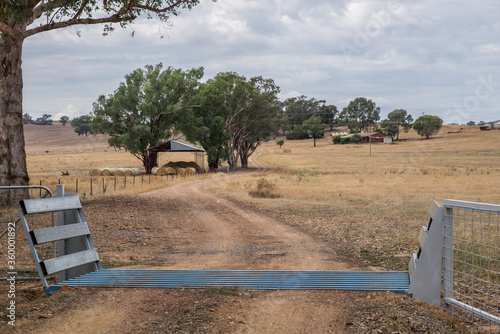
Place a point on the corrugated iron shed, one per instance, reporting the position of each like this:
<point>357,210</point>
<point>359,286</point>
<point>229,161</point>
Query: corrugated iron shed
<point>175,146</point>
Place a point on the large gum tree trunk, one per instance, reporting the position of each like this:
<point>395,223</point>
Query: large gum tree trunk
<point>13,169</point>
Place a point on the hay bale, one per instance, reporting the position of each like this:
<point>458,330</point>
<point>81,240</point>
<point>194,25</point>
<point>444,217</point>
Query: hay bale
<point>158,171</point>
<point>119,171</point>
<point>181,171</point>
<point>170,171</point>
<point>96,172</point>
<point>132,171</point>
<point>108,171</point>
<point>190,171</point>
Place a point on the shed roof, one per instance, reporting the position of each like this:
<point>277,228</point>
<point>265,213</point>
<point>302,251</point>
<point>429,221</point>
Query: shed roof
<point>175,146</point>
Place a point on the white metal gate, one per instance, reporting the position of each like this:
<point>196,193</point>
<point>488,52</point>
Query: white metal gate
<point>471,264</point>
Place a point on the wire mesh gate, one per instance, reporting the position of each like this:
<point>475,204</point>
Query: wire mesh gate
<point>471,264</point>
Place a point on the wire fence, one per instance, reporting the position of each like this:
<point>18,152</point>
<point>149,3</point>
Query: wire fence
<point>86,186</point>
<point>471,264</point>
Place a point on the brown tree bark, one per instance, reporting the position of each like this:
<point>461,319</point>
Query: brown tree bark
<point>149,160</point>
<point>13,169</point>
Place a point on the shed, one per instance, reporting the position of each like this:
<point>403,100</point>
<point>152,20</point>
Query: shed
<point>376,137</point>
<point>176,146</point>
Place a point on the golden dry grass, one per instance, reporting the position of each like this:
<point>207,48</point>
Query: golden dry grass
<point>377,203</point>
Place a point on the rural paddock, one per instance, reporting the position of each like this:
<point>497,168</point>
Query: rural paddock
<point>337,208</point>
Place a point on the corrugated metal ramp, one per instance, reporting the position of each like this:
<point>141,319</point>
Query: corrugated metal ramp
<point>394,281</point>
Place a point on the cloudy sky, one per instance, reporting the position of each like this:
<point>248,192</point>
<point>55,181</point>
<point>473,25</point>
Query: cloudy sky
<point>434,57</point>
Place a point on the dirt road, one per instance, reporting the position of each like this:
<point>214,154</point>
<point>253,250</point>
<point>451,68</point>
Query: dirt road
<point>213,233</point>
<point>187,227</point>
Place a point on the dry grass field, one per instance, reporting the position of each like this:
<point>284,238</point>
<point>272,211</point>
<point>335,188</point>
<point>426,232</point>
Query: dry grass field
<point>376,203</point>
<point>348,208</point>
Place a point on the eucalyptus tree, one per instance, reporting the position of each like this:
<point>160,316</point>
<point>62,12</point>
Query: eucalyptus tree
<point>234,115</point>
<point>21,19</point>
<point>144,110</point>
<point>428,125</point>
<point>297,109</point>
<point>81,125</point>
<point>397,120</point>
<point>260,121</point>
<point>314,127</point>
<point>206,123</point>
<point>360,114</point>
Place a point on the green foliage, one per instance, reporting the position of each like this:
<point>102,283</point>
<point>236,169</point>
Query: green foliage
<point>345,140</point>
<point>356,139</point>
<point>314,127</point>
<point>337,139</point>
<point>397,120</point>
<point>280,143</point>
<point>259,122</point>
<point>46,119</point>
<point>82,125</point>
<point>296,110</point>
<point>245,112</point>
<point>428,125</point>
<point>360,114</point>
<point>143,111</point>
<point>297,133</point>
<point>64,120</point>
<point>27,119</point>
<point>206,123</point>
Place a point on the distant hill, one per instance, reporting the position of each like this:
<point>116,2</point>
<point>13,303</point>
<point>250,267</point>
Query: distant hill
<point>60,138</point>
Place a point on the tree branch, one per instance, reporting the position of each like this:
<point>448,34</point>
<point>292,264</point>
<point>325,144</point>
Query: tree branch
<point>163,10</point>
<point>42,7</point>
<point>80,11</point>
<point>111,19</point>
<point>7,30</point>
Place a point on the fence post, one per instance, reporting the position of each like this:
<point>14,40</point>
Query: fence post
<point>125,181</point>
<point>76,186</point>
<point>103,187</point>
<point>448,259</point>
<point>115,182</point>
<point>91,186</point>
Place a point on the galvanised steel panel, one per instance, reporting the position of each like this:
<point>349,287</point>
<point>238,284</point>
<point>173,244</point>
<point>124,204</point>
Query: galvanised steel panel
<point>394,281</point>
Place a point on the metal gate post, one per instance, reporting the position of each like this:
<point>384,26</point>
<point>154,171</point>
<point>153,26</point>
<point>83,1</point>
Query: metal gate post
<point>448,259</point>
<point>72,245</point>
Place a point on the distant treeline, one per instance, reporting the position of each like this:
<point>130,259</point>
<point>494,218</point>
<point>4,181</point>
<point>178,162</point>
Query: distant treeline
<point>46,119</point>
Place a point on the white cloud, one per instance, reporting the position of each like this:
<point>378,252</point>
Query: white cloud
<point>418,56</point>
<point>69,111</point>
